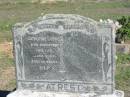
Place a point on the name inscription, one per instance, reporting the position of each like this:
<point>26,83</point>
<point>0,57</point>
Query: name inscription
<point>64,87</point>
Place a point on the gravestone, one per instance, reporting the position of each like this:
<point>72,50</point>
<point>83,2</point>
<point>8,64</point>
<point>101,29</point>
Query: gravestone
<point>64,53</point>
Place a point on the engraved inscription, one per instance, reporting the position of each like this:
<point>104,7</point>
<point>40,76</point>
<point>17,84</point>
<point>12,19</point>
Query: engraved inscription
<point>65,53</point>
<point>72,87</point>
<point>41,54</point>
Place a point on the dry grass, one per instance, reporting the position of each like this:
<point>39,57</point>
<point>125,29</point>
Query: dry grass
<point>7,48</point>
<point>7,69</point>
<point>7,78</point>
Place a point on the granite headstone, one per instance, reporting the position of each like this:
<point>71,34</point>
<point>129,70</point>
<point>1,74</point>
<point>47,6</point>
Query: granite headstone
<point>65,53</point>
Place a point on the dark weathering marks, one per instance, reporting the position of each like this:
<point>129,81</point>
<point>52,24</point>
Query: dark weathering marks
<point>67,53</point>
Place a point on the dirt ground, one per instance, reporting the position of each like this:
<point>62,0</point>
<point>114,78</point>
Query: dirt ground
<point>7,74</point>
<point>7,48</point>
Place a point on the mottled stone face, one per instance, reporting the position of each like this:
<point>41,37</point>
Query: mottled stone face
<point>65,53</point>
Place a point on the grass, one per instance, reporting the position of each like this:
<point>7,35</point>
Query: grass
<point>122,77</point>
<point>7,72</point>
<point>5,61</point>
<point>123,58</point>
<point>22,12</point>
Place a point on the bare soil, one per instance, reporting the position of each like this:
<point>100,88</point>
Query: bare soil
<point>7,78</point>
<point>7,48</point>
<point>7,74</point>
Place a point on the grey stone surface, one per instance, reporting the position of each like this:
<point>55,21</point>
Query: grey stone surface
<point>65,53</point>
<point>29,93</point>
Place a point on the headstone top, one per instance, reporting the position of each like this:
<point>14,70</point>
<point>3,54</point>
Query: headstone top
<point>65,53</point>
<point>58,22</point>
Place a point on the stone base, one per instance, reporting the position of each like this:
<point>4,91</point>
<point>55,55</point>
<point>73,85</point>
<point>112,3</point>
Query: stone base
<point>29,93</point>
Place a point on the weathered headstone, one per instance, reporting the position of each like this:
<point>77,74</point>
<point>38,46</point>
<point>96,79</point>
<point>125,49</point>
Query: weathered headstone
<point>64,53</point>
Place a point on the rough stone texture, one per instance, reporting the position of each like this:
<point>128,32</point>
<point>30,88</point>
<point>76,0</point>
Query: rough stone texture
<point>65,53</point>
<point>60,54</point>
<point>27,93</point>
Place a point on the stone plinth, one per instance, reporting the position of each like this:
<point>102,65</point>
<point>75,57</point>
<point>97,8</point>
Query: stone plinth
<point>29,93</point>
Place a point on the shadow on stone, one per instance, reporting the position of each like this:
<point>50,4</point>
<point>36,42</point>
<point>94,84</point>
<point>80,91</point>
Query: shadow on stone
<point>4,93</point>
